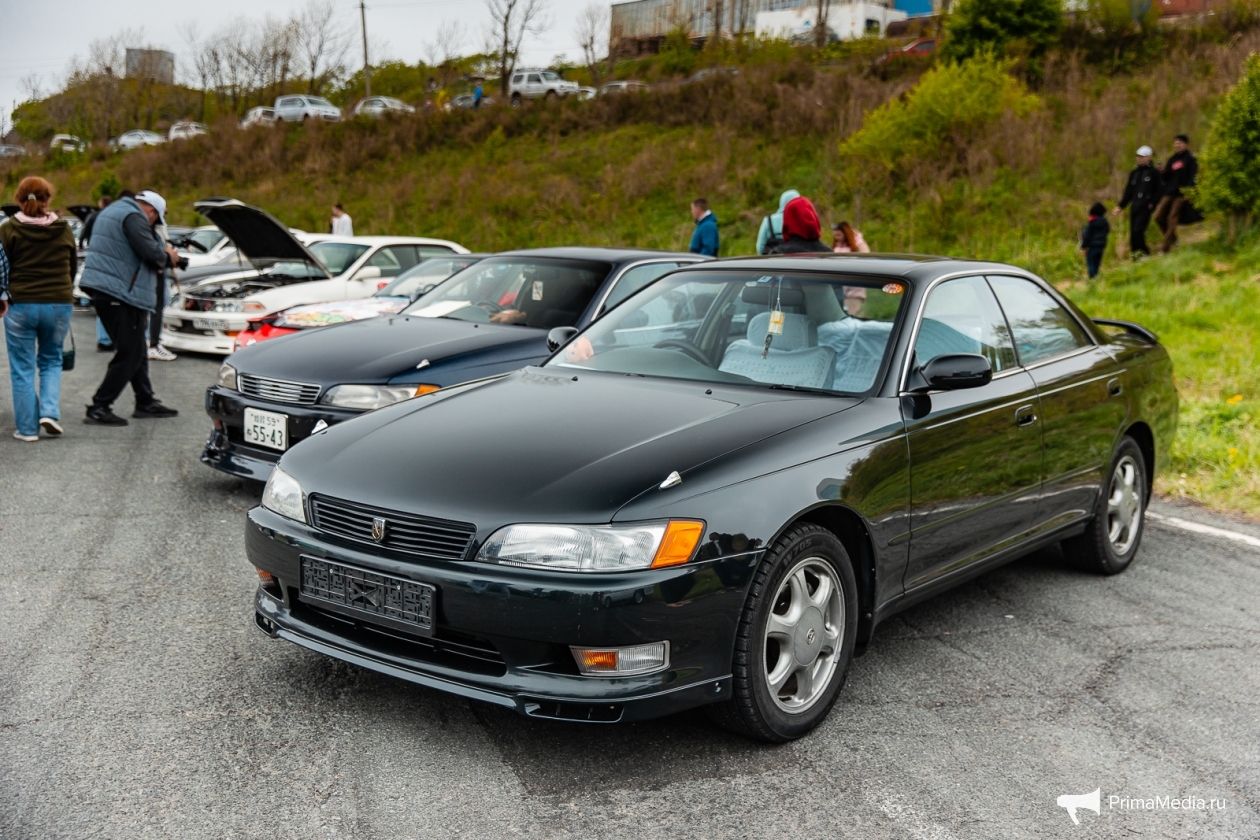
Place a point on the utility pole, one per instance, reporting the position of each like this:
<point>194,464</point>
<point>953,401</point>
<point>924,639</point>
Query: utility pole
<point>367,71</point>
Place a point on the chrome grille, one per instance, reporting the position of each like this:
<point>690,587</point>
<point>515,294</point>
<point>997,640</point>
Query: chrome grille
<point>438,539</point>
<point>277,390</point>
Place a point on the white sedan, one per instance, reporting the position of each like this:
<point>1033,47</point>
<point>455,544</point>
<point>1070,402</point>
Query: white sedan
<point>137,138</point>
<point>207,317</point>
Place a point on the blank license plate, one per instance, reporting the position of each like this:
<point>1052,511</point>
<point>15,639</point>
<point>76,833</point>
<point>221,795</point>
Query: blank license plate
<point>267,428</point>
<point>382,599</point>
<point>210,324</point>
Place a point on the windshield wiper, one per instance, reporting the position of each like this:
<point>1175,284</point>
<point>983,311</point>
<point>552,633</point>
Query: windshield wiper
<point>803,388</point>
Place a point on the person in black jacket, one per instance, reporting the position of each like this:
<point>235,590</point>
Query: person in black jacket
<point>1181,172</point>
<point>1141,194</point>
<point>1094,238</point>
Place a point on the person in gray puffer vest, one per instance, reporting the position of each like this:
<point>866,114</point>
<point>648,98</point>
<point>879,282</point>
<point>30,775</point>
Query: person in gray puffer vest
<point>124,262</point>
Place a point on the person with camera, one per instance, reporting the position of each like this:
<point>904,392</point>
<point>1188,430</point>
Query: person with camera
<point>126,261</point>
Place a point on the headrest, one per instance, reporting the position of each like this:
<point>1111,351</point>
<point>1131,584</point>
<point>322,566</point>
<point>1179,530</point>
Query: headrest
<point>799,332</point>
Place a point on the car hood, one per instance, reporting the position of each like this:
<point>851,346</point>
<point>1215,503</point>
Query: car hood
<point>256,233</point>
<point>541,445</point>
<point>338,311</point>
<point>378,349</point>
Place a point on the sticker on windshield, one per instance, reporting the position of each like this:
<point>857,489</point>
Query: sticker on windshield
<point>537,293</point>
<point>893,289</point>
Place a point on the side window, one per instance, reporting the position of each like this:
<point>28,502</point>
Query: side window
<point>393,260</point>
<point>535,79</point>
<point>425,252</point>
<point>516,80</point>
<point>635,279</point>
<point>962,316</point>
<point>1042,328</point>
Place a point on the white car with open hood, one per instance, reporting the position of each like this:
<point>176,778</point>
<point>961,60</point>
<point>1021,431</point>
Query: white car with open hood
<point>206,318</point>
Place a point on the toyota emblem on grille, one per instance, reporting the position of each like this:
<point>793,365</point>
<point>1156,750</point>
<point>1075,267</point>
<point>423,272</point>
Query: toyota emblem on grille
<point>378,528</point>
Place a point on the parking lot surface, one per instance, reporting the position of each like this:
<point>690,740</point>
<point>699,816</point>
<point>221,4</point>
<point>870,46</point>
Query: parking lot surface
<point>137,699</point>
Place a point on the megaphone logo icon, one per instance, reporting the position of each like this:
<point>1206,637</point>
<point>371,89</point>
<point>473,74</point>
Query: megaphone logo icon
<point>1072,801</point>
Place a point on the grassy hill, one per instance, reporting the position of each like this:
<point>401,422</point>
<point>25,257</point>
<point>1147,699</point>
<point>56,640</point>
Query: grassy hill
<point>620,171</point>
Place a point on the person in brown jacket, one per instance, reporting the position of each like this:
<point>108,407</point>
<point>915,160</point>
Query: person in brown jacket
<point>41,254</point>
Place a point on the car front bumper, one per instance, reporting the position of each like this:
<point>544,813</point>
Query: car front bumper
<point>502,635</point>
<point>179,332</point>
<point>226,450</point>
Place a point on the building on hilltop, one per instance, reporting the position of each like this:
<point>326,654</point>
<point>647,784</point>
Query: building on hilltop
<point>151,65</point>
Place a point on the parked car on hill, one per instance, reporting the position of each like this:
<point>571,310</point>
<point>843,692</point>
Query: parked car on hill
<point>66,143</point>
<point>10,151</point>
<point>394,297</point>
<point>135,139</point>
<point>261,115</point>
<point>489,318</point>
<point>379,106</point>
<point>917,47</point>
<point>184,130</point>
<point>585,94</point>
<point>626,86</point>
<point>305,107</point>
<point>538,84</point>
<point>714,494</point>
<point>207,317</point>
<point>465,101</point>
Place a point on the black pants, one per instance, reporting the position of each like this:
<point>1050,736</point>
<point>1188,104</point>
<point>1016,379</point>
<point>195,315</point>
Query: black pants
<point>1093,261</point>
<point>126,325</point>
<point>1139,221</point>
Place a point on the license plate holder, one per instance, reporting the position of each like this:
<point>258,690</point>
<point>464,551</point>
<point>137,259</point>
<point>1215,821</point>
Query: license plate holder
<point>376,597</point>
<point>219,324</point>
<point>266,428</point>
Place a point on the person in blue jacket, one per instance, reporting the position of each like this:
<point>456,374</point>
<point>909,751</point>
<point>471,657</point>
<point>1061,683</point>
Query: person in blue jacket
<point>705,240</point>
<point>770,235</point>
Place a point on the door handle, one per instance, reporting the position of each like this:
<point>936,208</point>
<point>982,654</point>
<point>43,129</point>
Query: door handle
<point>1114,388</point>
<point>1025,416</point>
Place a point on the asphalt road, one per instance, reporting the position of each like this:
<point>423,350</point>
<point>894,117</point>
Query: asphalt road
<point>138,700</point>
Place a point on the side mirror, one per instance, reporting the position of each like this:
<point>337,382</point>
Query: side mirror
<point>952,372</point>
<point>368,272</point>
<point>560,336</point>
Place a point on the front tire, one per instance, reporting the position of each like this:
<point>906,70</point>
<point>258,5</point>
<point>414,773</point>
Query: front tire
<point>516,100</point>
<point>1110,543</point>
<point>795,638</point>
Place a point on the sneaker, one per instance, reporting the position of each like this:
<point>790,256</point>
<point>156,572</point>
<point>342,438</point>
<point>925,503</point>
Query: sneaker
<point>155,409</point>
<point>27,438</point>
<point>102,347</point>
<point>158,353</point>
<point>50,425</point>
<point>102,416</point>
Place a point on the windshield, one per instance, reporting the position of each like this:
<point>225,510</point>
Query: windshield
<point>337,257</point>
<point>551,77</point>
<point>793,330</point>
<point>532,292</point>
<point>421,279</point>
<point>318,100</point>
<point>206,238</point>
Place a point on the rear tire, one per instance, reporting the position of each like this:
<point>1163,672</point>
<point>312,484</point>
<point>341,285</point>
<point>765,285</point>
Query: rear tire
<point>1110,542</point>
<point>794,642</point>
<point>516,100</point>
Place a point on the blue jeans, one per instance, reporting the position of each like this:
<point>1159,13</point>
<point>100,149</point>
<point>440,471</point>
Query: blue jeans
<point>33,335</point>
<point>102,337</point>
<point>1093,261</point>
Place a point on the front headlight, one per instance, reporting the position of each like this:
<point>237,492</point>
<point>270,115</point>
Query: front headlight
<point>594,548</point>
<point>226,306</point>
<point>368,397</point>
<point>227,377</point>
<point>283,495</point>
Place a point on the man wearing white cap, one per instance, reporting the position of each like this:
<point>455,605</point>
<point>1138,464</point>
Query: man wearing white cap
<point>1141,195</point>
<point>125,262</point>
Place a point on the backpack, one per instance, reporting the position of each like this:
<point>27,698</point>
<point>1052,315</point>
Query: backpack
<point>775,240</point>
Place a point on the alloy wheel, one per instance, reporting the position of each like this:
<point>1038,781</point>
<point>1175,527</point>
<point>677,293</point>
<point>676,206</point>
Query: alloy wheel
<point>803,634</point>
<point>1124,506</point>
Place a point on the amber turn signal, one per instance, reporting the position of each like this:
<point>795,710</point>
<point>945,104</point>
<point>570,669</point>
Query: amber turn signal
<point>679,543</point>
<point>267,578</point>
<point>421,390</point>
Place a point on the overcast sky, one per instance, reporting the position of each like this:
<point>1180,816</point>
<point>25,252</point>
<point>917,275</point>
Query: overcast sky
<point>42,38</point>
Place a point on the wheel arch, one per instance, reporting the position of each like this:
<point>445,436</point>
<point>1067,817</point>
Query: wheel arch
<point>1145,439</point>
<point>851,529</point>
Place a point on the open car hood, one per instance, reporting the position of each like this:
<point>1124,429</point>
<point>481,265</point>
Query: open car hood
<point>256,233</point>
<point>81,211</point>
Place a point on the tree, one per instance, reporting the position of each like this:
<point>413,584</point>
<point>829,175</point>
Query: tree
<point>820,23</point>
<point>1229,167</point>
<point>510,21</point>
<point>1001,26</point>
<point>447,42</point>
<point>322,44</point>
<point>592,32</point>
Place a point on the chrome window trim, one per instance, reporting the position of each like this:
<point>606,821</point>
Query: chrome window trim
<point>678,261</point>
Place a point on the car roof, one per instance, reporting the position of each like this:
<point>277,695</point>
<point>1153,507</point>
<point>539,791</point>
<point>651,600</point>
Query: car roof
<point>389,240</point>
<point>921,267</point>
<point>594,254</point>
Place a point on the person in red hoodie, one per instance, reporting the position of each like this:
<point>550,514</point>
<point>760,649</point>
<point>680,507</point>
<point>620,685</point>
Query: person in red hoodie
<point>802,232</point>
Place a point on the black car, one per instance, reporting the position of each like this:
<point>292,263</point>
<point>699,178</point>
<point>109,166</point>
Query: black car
<point>488,319</point>
<point>715,493</point>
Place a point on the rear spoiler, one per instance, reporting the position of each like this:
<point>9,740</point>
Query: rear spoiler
<point>1130,328</point>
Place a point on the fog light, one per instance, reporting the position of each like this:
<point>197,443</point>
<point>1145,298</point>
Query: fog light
<point>616,662</point>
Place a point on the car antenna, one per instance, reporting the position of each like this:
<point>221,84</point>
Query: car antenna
<point>671,480</point>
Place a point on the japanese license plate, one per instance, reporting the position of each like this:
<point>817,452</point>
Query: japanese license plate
<point>267,428</point>
<point>381,599</point>
<point>220,324</point>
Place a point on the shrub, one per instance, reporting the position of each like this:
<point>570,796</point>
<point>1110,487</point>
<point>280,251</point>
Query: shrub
<point>1015,27</point>
<point>1230,169</point>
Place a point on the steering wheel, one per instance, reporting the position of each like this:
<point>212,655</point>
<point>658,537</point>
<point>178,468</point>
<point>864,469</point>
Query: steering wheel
<point>686,347</point>
<point>490,306</point>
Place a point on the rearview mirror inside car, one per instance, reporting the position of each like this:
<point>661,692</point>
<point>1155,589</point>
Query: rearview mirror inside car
<point>560,336</point>
<point>952,372</point>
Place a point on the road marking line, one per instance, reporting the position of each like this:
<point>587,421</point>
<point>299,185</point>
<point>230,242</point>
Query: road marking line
<point>1187,525</point>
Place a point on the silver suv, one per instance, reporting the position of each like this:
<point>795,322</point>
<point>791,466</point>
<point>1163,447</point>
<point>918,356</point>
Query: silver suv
<point>301,108</point>
<point>538,84</point>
